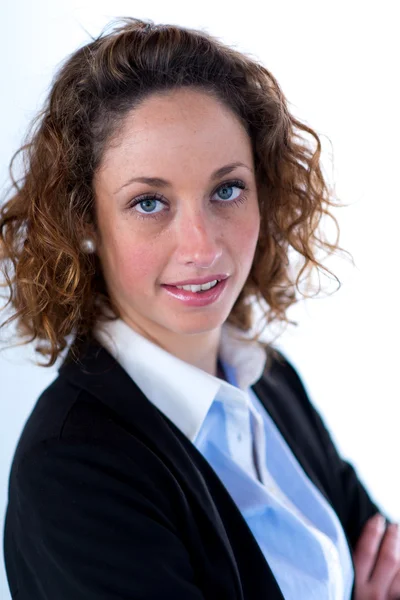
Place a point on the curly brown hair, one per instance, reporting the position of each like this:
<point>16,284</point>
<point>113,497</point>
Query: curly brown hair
<point>57,290</point>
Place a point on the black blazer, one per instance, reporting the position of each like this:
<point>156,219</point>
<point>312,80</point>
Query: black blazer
<point>108,500</point>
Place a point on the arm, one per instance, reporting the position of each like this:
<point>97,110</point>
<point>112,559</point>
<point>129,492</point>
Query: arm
<point>93,526</point>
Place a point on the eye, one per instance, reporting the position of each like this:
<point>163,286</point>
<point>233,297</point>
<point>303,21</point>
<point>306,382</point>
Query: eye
<point>228,196</point>
<point>148,202</point>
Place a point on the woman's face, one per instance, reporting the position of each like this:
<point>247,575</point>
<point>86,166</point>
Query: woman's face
<point>191,226</point>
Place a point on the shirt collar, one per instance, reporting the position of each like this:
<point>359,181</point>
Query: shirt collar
<point>183,392</point>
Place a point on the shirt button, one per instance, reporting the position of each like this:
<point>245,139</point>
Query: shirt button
<point>239,437</point>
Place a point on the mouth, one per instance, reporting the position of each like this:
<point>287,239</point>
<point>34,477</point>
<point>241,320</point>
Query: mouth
<point>196,296</point>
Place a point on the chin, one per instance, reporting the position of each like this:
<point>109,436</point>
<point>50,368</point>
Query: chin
<point>195,324</point>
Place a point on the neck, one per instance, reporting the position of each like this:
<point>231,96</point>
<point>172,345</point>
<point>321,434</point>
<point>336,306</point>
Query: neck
<point>198,349</point>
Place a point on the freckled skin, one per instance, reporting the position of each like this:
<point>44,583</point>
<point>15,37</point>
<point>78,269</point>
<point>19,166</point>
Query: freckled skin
<point>182,136</point>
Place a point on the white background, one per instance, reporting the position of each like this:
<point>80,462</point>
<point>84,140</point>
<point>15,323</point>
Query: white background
<point>337,63</point>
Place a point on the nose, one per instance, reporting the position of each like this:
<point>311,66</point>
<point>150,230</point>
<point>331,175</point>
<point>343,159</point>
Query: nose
<point>197,239</point>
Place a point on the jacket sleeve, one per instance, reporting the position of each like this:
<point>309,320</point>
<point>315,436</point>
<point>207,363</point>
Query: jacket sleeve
<point>92,525</point>
<point>356,505</point>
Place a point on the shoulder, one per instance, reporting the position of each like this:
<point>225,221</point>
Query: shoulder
<point>282,381</point>
<point>87,454</point>
<point>69,421</point>
<point>284,375</point>
<point>280,369</point>
<point>47,417</point>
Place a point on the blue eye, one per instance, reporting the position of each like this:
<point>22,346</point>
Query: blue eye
<point>149,201</point>
<point>224,188</point>
<point>148,204</point>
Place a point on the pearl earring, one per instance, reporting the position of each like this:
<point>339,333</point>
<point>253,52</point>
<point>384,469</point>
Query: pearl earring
<point>88,246</point>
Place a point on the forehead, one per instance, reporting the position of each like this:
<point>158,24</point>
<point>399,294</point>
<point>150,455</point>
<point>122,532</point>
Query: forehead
<point>179,125</point>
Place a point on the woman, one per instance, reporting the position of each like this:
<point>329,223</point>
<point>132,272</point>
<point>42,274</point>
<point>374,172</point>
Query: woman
<point>175,455</point>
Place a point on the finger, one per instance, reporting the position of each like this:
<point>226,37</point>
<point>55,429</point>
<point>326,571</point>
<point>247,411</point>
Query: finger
<point>366,551</point>
<point>394,590</point>
<point>388,561</point>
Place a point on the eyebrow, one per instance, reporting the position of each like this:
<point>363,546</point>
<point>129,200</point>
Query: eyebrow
<point>159,182</point>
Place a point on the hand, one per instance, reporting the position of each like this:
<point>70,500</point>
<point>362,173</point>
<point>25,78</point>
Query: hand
<point>377,561</point>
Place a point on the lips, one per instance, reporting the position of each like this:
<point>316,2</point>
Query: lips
<point>196,299</point>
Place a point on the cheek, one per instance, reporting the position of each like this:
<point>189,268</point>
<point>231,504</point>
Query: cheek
<point>136,263</point>
<point>246,237</point>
